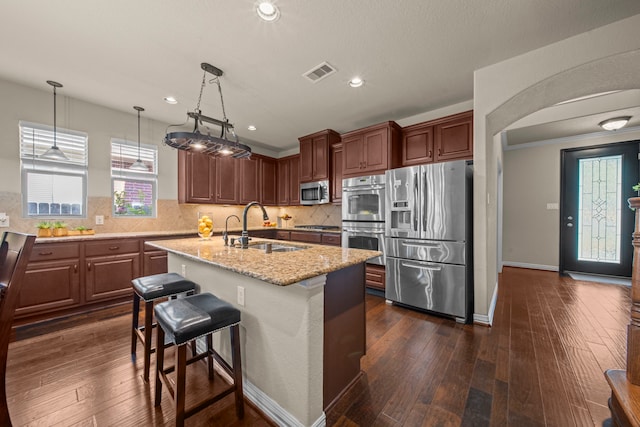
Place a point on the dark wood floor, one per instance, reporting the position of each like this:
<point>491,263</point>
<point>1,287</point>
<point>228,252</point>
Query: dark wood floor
<point>541,363</point>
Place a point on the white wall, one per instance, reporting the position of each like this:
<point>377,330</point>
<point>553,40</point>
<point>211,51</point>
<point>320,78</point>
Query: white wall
<point>531,180</point>
<point>603,59</point>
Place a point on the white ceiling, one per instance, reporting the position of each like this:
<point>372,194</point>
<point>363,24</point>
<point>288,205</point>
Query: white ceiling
<point>414,55</point>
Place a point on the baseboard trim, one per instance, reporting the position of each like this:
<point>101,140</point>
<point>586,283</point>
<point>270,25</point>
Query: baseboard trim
<point>487,320</point>
<point>531,266</point>
<point>269,407</point>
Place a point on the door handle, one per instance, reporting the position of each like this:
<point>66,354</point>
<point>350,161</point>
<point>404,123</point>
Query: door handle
<point>569,224</point>
<point>88,266</point>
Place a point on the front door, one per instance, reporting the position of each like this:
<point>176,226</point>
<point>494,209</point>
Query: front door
<point>596,222</point>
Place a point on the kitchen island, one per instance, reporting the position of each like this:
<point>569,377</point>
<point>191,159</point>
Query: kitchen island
<point>302,332</point>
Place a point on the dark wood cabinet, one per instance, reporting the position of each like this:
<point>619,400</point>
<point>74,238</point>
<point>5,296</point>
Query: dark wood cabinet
<point>110,266</point>
<point>371,151</point>
<point>51,281</point>
<point>249,182</point>
<point>268,181</point>
<point>444,139</point>
<point>283,235</point>
<point>375,276</point>
<point>196,178</point>
<point>417,145</point>
<point>154,262</point>
<point>332,239</point>
<point>314,155</point>
<point>227,180</point>
<point>305,236</point>
<point>336,173</point>
<point>289,180</point>
<point>454,138</point>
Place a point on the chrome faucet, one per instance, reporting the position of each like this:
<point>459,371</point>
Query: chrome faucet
<point>225,235</point>
<point>244,239</point>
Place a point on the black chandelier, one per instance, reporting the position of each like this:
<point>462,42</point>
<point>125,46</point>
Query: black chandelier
<point>216,145</point>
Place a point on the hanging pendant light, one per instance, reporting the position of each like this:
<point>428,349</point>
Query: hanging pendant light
<point>138,165</point>
<point>206,143</point>
<point>54,153</point>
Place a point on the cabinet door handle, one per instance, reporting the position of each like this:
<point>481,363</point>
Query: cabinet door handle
<point>88,266</point>
<point>75,268</point>
<point>113,248</point>
<point>430,154</point>
<point>45,253</point>
<point>439,151</point>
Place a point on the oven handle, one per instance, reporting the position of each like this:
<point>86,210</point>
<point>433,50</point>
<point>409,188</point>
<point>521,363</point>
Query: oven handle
<point>351,230</point>
<point>362,188</point>
<point>433,267</point>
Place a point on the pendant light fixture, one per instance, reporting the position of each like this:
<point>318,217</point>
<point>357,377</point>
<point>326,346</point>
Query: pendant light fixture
<point>54,153</point>
<point>206,143</point>
<point>138,165</point>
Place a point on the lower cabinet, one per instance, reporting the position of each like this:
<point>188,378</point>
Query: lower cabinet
<point>375,276</point>
<point>110,277</point>
<point>154,262</point>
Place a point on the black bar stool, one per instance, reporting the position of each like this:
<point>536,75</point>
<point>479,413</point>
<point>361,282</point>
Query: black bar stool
<point>186,319</point>
<point>149,289</point>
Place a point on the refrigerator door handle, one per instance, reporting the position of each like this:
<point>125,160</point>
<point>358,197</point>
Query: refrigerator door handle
<point>424,198</point>
<point>433,267</point>
<point>415,202</point>
<point>420,245</point>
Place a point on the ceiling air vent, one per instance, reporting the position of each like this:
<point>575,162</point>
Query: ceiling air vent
<point>319,72</point>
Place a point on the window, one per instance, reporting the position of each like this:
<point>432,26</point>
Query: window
<point>134,192</point>
<point>52,188</point>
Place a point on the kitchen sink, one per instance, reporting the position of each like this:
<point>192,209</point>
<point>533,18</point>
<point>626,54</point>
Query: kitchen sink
<point>276,247</point>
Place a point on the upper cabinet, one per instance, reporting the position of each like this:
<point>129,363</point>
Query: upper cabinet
<point>225,180</point>
<point>289,180</point>
<point>371,150</point>
<point>196,178</point>
<point>336,173</point>
<point>268,181</point>
<point>448,138</point>
<point>314,155</point>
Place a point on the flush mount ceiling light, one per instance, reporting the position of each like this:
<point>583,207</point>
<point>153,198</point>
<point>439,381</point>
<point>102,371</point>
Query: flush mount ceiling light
<point>356,82</point>
<point>138,165</point>
<point>170,100</point>
<point>207,143</point>
<point>268,11</point>
<point>54,153</point>
<point>615,123</point>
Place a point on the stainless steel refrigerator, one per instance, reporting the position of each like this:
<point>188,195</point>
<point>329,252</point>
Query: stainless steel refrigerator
<point>428,231</point>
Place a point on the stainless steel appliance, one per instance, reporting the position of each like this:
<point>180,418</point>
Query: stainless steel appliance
<point>363,213</point>
<point>314,193</point>
<point>363,198</point>
<point>429,238</point>
<point>365,235</point>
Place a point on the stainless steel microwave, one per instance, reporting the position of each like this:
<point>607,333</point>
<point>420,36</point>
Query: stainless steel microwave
<point>314,193</point>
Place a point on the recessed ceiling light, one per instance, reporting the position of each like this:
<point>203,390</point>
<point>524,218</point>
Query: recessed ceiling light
<point>268,11</point>
<point>170,100</point>
<point>356,82</point>
<point>251,127</point>
<point>615,123</point>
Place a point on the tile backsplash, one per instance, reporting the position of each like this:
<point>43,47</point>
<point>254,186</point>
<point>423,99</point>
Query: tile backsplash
<point>171,216</point>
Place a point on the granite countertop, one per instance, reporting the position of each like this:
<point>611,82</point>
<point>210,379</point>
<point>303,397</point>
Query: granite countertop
<point>278,268</point>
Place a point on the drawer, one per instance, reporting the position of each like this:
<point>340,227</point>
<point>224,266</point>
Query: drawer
<point>331,239</point>
<point>112,247</point>
<point>300,236</point>
<point>52,251</point>
<point>283,235</point>
<point>375,276</point>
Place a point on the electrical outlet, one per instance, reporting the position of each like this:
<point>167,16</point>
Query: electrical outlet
<point>241,295</point>
<point>4,219</point>
<point>184,270</point>
<point>99,219</point>
<point>553,206</point>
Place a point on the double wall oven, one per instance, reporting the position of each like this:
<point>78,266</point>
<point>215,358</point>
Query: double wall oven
<point>363,213</point>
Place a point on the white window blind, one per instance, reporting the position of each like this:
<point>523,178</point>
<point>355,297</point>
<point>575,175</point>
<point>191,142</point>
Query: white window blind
<point>35,139</point>
<point>53,188</point>
<point>125,153</point>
